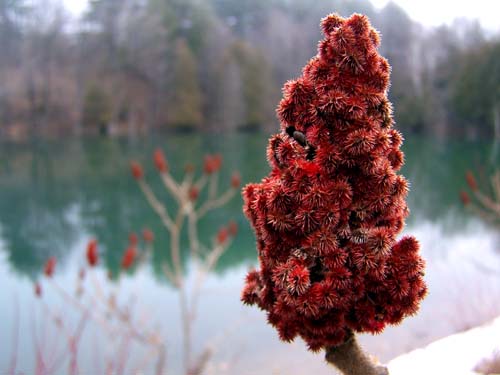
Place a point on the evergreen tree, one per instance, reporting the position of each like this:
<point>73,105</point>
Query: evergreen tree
<point>475,92</point>
<point>398,46</point>
<point>185,104</point>
<point>96,109</point>
<point>256,81</point>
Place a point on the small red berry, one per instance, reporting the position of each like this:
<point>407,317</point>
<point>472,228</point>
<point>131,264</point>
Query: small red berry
<point>38,289</point>
<point>465,198</point>
<point>92,253</point>
<point>133,240</point>
<point>148,235</point>
<point>129,257</point>
<point>193,193</point>
<point>471,180</point>
<point>232,228</point>
<point>217,160</point>
<point>235,180</point>
<point>137,171</point>
<point>50,266</point>
<point>222,235</point>
<point>212,163</point>
<point>160,161</point>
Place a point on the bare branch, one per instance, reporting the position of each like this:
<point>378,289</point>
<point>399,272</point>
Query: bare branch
<point>215,203</point>
<point>156,205</point>
<point>171,185</point>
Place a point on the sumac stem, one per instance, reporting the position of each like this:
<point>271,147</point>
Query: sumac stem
<point>350,359</point>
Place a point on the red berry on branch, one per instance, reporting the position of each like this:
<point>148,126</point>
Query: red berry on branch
<point>217,161</point>
<point>232,228</point>
<point>133,240</point>
<point>212,163</point>
<point>38,289</point>
<point>471,180</point>
<point>193,193</point>
<point>465,198</point>
<point>92,253</point>
<point>160,161</point>
<point>136,169</point>
<point>148,235</point>
<point>235,180</point>
<point>50,266</point>
<point>128,258</point>
<point>222,235</point>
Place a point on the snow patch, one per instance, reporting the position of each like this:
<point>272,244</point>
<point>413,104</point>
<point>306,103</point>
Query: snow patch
<point>458,354</point>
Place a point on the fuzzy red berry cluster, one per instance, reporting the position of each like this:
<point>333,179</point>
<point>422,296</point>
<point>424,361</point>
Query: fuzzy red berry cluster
<point>327,216</point>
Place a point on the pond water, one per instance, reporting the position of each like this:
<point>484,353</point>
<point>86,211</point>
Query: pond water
<point>56,195</point>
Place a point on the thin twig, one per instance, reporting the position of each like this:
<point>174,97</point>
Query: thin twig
<point>15,338</point>
<point>172,186</point>
<point>495,183</point>
<point>156,205</point>
<point>186,327</point>
<point>215,203</point>
<point>487,202</point>
<point>193,233</point>
<point>203,270</point>
<point>169,274</point>
<point>202,181</point>
<point>187,181</point>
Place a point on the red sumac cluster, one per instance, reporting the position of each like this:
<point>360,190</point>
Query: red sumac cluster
<point>327,216</point>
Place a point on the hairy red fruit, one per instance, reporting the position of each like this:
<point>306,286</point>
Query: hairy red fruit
<point>148,235</point>
<point>327,216</point>
<point>136,169</point>
<point>92,253</point>
<point>160,161</point>
<point>128,258</point>
<point>50,266</point>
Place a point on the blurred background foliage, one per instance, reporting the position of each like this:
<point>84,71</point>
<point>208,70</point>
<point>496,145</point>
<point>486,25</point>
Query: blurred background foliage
<point>129,66</point>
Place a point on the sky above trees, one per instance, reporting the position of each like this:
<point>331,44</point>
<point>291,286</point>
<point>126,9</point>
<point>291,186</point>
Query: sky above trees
<point>427,12</point>
<point>434,13</point>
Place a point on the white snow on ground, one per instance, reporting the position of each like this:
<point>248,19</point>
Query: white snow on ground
<point>457,354</point>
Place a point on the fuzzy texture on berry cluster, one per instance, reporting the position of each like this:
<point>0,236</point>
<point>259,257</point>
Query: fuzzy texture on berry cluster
<point>327,216</point>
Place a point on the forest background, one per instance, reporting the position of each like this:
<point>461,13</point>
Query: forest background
<point>132,66</point>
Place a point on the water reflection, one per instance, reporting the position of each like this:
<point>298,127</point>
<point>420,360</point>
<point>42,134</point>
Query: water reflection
<point>56,195</point>
<point>52,192</point>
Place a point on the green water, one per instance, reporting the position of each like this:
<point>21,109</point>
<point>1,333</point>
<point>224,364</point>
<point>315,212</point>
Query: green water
<point>54,195</point>
<point>53,191</point>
